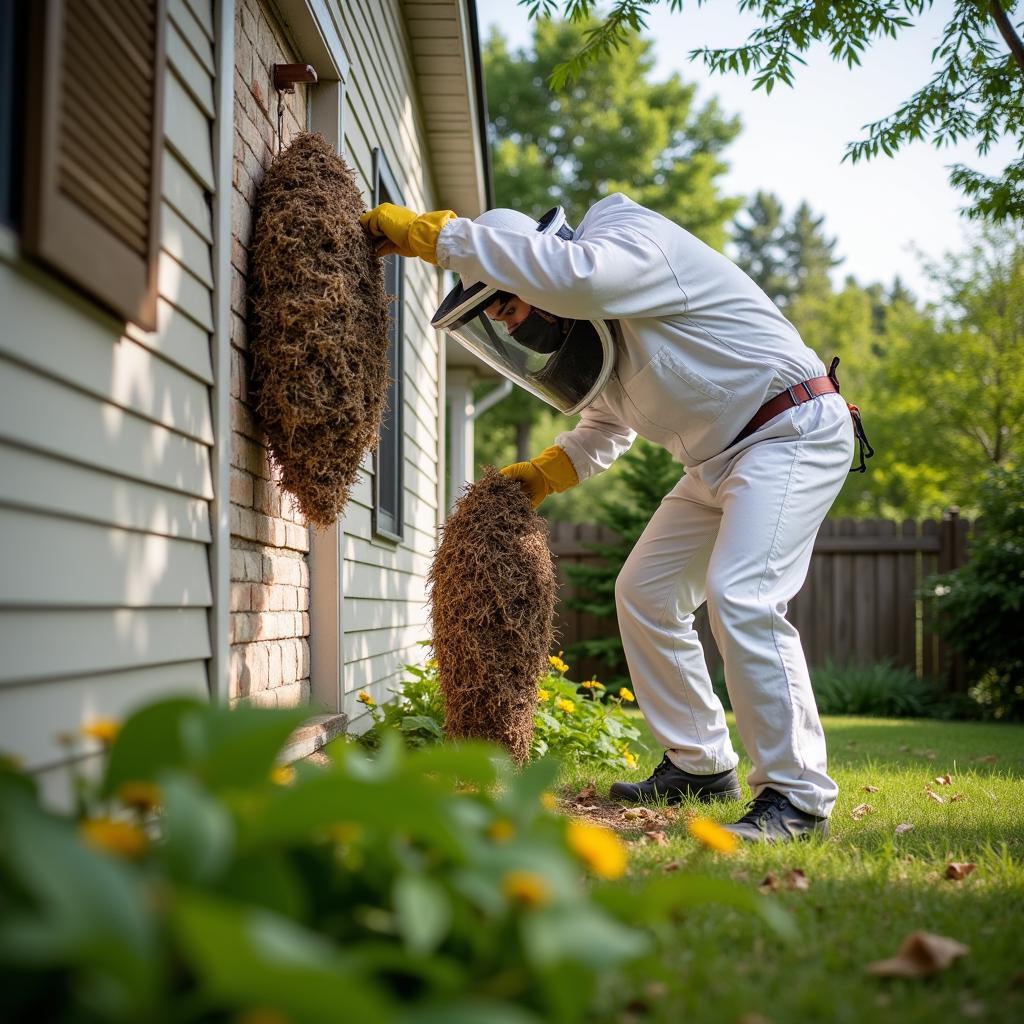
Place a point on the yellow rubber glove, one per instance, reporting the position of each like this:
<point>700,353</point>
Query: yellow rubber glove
<point>551,472</point>
<point>397,229</point>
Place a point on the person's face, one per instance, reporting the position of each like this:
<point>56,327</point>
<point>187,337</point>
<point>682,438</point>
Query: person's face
<point>513,311</point>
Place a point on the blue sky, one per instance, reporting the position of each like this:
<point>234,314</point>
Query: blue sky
<point>793,141</point>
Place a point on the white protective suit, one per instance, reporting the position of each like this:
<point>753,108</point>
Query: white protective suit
<point>699,349</point>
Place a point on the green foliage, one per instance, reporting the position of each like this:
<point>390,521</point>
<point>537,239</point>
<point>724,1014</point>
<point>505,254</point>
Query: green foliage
<point>974,92</point>
<point>578,722</point>
<point>648,473</point>
<point>979,605</point>
<point>786,259</point>
<point>584,723</point>
<point>880,690</point>
<point>411,887</point>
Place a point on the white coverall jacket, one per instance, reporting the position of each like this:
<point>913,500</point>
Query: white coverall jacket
<point>699,349</point>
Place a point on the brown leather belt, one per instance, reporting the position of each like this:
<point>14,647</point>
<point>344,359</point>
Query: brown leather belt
<point>795,394</point>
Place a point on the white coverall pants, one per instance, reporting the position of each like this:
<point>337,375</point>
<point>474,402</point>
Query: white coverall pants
<point>738,530</point>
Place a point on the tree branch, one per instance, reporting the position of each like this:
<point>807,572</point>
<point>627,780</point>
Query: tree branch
<point>1006,30</point>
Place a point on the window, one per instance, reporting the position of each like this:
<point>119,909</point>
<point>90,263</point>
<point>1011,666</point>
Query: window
<point>93,141</point>
<point>389,475</point>
<point>12,69</point>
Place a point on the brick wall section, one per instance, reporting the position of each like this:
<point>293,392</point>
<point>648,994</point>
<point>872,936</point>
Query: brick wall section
<point>269,540</point>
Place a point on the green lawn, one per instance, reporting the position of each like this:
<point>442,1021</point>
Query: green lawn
<point>868,889</point>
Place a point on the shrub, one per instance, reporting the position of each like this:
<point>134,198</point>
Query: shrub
<point>580,722</point>
<point>200,883</point>
<point>880,690</point>
<point>979,605</point>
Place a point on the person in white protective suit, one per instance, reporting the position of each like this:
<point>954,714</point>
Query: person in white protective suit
<point>641,328</point>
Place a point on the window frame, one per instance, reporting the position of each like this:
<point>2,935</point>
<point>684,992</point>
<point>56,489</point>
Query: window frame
<point>386,524</point>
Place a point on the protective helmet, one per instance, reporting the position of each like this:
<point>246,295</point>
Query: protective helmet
<point>570,377</point>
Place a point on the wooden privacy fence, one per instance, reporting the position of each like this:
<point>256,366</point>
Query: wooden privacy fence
<point>860,601</point>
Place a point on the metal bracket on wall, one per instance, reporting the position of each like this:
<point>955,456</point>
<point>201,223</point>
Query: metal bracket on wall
<point>286,77</point>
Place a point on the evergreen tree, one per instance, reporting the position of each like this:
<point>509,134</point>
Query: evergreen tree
<point>809,253</point>
<point>648,475</point>
<point>759,240</point>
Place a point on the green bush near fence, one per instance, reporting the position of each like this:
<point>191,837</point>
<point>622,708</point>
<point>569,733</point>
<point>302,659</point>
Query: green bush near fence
<point>979,606</point>
<point>201,882</point>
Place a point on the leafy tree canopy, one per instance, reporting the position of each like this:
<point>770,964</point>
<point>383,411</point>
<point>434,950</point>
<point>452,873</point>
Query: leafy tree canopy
<point>973,94</point>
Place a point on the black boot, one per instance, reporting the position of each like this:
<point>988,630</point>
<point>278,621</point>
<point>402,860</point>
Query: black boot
<point>673,784</point>
<point>771,818</point>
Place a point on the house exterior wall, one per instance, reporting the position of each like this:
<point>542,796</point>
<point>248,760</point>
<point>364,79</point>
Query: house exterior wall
<point>269,620</point>
<point>106,443</point>
<point>382,583</point>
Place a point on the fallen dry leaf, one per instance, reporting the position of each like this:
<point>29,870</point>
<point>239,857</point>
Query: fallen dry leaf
<point>932,795</point>
<point>583,808</point>
<point>870,789</point>
<point>944,780</point>
<point>904,749</point>
<point>672,865</point>
<point>956,796</point>
<point>588,792</point>
<point>903,828</point>
<point>860,810</point>
<point>639,814</point>
<point>957,871</point>
<point>920,954</point>
<point>657,837</point>
<point>971,1007</point>
<point>795,878</point>
<point>988,759</point>
<point>770,882</point>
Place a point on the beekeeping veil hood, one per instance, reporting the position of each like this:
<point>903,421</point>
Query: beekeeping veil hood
<point>568,378</point>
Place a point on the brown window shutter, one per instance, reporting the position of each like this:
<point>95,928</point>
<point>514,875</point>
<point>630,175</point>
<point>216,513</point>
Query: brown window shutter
<point>94,137</point>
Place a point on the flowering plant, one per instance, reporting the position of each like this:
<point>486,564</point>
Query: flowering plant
<point>202,881</point>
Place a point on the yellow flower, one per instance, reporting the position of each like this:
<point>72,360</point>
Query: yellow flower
<point>557,664</point>
<point>626,694</point>
<point>103,729</point>
<point>365,698</point>
<point>282,775</point>
<point>141,796</point>
<point>542,695</point>
<point>565,705</point>
<point>549,800</point>
<point>598,847</point>
<point>592,684</point>
<point>526,888</point>
<point>432,663</point>
<point>120,838</point>
<point>501,831</point>
<point>712,835</point>
<point>630,758</point>
<point>345,832</point>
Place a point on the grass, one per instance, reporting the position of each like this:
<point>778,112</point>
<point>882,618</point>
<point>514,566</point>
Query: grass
<point>868,889</point>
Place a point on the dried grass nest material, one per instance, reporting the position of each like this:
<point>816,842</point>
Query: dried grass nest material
<point>318,326</point>
<point>492,604</point>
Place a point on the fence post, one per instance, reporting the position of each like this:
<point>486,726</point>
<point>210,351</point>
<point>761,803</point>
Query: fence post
<point>952,554</point>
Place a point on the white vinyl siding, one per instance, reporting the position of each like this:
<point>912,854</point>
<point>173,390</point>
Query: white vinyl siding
<point>384,583</point>
<point>105,461</point>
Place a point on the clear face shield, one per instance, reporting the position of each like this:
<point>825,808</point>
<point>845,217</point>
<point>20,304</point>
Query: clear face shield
<point>568,377</point>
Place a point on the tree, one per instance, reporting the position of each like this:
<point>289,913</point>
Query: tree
<point>614,129</point>
<point>974,93</point>
<point>785,259</point>
<point>943,388</point>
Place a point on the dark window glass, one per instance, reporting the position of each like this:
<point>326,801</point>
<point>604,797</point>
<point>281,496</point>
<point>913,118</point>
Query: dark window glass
<point>389,477</point>
<point>12,54</point>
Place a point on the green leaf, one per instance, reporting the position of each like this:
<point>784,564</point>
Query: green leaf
<point>253,958</point>
<point>469,1012</point>
<point>423,910</point>
<point>198,831</point>
<point>150,742</point>
<point>88,911</point>
<point>582,934</point>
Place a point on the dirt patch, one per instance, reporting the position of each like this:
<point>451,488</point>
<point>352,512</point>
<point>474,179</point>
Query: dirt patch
<point>492,603</point>
<point>632,821</point>
<point>318,327</point>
